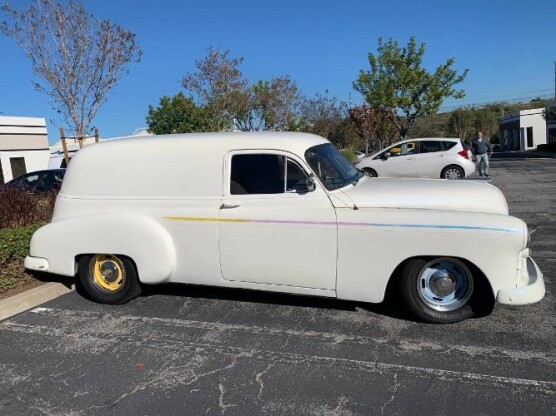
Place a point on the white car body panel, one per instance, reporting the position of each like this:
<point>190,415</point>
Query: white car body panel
<point>418,165</point>
<point>179,223</point>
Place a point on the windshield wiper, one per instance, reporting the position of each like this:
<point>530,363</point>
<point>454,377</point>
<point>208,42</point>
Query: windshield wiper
<point>358,176</point>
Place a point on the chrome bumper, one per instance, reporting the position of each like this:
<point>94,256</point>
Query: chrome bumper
<point>533,291</point>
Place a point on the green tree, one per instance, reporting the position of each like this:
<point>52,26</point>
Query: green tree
<point>397,83</point>
<point>462,123</point>
<point>78,58</point>
<point>267,105</point>
<point>177,114</point>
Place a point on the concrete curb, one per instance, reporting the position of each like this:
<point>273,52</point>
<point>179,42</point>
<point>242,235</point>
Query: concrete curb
<point>31,298</point>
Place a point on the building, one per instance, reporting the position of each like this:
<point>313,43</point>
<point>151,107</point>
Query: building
<point>522,130</point>
<point>23,146</point>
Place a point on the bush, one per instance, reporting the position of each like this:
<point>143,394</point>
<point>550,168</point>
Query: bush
<point>349,155</point>
<point>14,246</point>
<point>20,208</point>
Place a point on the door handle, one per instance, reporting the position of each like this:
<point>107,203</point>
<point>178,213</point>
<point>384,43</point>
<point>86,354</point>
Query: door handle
<point>229,206</point>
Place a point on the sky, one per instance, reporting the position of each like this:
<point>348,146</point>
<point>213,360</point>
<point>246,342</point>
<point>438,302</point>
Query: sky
<point>508,46</point>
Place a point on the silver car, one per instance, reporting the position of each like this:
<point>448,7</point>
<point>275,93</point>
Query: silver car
<point>445,158</point>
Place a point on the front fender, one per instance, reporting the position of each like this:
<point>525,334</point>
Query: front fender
<point>138,237</point>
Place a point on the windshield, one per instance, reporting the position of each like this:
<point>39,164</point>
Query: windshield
<point>333,170</point>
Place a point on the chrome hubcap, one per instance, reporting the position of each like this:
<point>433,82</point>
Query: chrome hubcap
<point>445,284</point>
<point>109,271</point>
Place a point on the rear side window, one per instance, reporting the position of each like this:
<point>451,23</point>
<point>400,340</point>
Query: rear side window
<point>430,146</point>
<point>449,145</point>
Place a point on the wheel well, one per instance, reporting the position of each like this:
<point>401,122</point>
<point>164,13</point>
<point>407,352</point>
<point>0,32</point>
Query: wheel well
<point>451,166</point>
<point>370,170</point>
<point>482,301</point>
<point>78,258</point>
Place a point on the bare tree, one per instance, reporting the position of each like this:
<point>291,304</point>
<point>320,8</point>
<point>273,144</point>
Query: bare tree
<point>322,114</point>
<point>78,57</point>
<point>218,84</point>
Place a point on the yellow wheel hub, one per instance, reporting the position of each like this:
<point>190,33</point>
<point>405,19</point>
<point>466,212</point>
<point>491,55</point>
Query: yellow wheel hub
<point>108,272</point>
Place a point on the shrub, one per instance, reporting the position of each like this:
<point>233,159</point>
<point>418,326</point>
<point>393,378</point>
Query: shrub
<point>349,155</point>
<point>20,208</point>
<point>14,246</point>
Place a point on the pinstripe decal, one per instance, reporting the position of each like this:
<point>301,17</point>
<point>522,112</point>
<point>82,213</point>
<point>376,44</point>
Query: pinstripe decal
<point>352,224</point>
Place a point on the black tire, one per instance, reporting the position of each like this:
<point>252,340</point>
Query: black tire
<point>370,172</point>
<point>452,172</point>
<point>438,290</point>
<point>118,285</point>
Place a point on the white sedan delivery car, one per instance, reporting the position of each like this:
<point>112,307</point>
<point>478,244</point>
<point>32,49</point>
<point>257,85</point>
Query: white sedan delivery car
<point>281,212</point>
<point>421,158</point>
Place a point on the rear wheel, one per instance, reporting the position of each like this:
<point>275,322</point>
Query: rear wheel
<point>438,290</point>
<point>370,172</point>
<point>108,278</point>
<point>452,172</point>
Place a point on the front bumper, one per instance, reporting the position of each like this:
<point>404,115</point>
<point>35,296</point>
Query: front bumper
<point>36,263</point>
<point>533,291</point>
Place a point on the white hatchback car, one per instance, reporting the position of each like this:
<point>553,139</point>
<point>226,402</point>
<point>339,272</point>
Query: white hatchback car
<point>422,158</point>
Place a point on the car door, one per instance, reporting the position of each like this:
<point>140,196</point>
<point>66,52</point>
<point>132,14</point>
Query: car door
<point>271,228</point>
<point>401,161</point>
<point>431,159</point>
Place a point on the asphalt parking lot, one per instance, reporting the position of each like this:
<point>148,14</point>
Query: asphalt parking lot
<point>192,350</point>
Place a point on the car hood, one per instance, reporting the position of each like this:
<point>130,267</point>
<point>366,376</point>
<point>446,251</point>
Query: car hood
<point>451,195</point>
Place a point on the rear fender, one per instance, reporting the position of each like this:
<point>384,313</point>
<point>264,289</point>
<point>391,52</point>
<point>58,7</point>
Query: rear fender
<point>138,237</point>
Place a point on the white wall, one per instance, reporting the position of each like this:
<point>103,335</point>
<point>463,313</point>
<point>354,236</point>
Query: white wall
<point>34,160</point>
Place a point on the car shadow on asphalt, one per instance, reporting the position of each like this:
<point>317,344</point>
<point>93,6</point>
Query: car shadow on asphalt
<point>68,282</point>
<point>391,307</point>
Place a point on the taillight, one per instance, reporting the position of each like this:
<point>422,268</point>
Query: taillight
<point>463,153</point>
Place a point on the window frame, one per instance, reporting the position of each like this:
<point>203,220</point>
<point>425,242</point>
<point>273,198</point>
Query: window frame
<point>227,168</point>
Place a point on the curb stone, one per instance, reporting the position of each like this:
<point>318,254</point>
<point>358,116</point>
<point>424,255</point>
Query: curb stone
<point>31,298</point>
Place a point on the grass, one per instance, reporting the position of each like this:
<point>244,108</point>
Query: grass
<point>21,214</point>
<point>14,246</point>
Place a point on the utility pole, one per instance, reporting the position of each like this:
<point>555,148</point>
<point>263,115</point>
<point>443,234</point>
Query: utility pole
<point>554,80</point>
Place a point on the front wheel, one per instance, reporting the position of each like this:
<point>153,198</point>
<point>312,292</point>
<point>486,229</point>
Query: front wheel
<point>370,172</point>
<point>438,290</point>
<point>452,172</point>
<point>108,278</point>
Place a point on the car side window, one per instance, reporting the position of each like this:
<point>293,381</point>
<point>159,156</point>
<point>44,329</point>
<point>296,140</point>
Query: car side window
<point>30,180</point>
<point>429,146</point>
<point>404,149</point>
<point>296,177</point>
<point>253,174</point>
<point>449,145</point>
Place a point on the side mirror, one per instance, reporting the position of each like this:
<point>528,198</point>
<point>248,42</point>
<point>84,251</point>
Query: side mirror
<point>310,183</point>
<point>386,155</point>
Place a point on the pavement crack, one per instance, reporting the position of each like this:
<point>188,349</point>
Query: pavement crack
<point>223,406</point>
<point>259,379</point>
<point>394,392</point>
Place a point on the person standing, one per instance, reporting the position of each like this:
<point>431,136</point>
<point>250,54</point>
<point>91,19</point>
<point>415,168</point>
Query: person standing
<point>482,151</point>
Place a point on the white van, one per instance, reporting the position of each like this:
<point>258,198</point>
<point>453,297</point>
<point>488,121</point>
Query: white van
<point>281,212</point>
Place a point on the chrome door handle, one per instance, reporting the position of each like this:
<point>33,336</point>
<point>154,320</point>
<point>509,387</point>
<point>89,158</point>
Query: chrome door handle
<point>229,206</point>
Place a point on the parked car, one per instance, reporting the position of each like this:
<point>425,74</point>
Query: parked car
<point>421,158</point>
<point>39,181</point>
<point>281,212</point>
